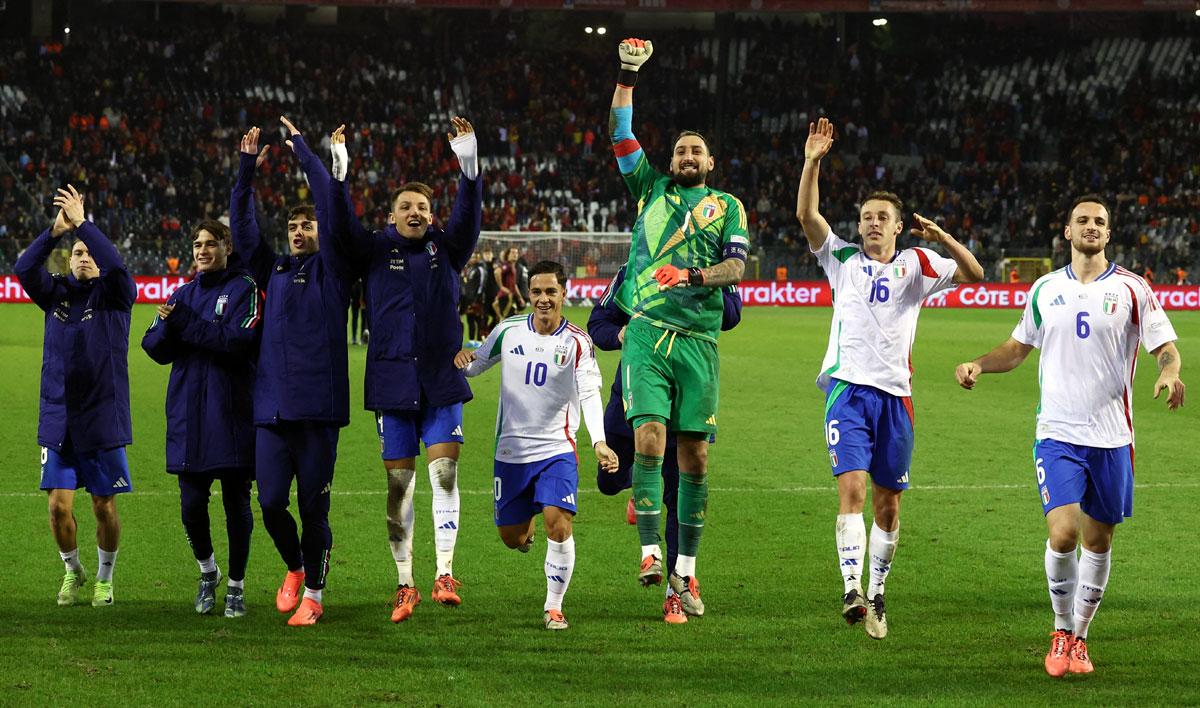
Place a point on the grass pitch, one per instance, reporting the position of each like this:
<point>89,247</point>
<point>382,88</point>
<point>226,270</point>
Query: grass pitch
<point>968,609</point>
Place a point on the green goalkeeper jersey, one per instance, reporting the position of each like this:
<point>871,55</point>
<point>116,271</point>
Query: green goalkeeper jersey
<point>684,227</point>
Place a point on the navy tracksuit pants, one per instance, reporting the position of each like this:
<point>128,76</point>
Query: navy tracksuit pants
<point>194,491</point>
<point>306,452</point>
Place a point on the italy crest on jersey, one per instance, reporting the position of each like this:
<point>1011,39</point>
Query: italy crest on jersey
<point>1110,303</point>
<point>899,270</point>
<point>220,311</point>
<point>560,355</point>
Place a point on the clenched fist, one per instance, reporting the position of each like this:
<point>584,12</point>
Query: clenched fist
<point>634,53</point>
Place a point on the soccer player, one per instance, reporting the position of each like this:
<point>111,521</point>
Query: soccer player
<point>689,241</point>
<point>412,284</point>
<point>301,388</point>
<point>548,375</point>
<point>207,331</point>
<point>83,420</point>
<point>867,373</point>
<point>1088,319</point>
<point>606,326</point>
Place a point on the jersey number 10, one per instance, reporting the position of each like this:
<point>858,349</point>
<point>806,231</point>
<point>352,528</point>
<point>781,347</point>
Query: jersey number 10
<point>535,374</point>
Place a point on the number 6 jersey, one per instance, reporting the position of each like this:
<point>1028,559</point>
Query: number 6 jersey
<point>1089,335</point>
<point>545,381</point>
<point>875,308</point>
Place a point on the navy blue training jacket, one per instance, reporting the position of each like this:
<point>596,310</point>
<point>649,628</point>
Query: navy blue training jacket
<point>302,360</point>
<point>412,293</point>
<point>85,350</point>
<point>210,340</point>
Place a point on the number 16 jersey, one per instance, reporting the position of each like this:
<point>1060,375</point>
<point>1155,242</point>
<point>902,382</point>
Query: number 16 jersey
<point>875,308</point>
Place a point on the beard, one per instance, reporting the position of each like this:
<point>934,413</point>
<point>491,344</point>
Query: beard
<point>689,180</point>
<point>1088,248</point>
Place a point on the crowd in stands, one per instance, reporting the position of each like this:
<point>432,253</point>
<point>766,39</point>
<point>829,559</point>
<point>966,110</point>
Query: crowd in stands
<point>145,118</point>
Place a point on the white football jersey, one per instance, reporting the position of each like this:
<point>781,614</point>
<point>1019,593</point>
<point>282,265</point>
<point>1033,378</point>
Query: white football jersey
<point>545,381</point>
<point>1088,335</point>
<point>875,308</point>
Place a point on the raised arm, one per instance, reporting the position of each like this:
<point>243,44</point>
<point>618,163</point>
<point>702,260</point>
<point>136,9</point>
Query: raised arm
<point>969,270</point>
<point>117,281</point>
<point>631,159</point>
<point>314,170</point>
<point>466,218</point>
<point>243,222</point>
<point>344,225</point>
<point>1003,358</point>
<point>1169,366</point>
<point>30,267</point>
<point>808,198</point>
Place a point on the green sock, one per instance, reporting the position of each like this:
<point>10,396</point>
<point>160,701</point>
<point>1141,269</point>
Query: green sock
<point>693,505</point>
<point>647,496</point>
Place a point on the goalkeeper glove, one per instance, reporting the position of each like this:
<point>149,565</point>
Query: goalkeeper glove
<point>669,276</point>
<point>633,53</point>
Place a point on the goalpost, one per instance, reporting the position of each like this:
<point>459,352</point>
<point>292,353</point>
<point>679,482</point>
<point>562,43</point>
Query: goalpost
<point>1028,269</point>
<point>584,254</point>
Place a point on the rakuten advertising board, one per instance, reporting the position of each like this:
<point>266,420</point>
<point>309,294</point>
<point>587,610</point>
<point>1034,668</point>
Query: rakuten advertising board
<point>801,293</point>
<point>789,293</point>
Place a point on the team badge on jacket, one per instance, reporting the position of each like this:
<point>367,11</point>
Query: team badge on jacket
<point>220,310</point>
<point>431,248</point>
<point>560,355</point>
<point>1110,303</point>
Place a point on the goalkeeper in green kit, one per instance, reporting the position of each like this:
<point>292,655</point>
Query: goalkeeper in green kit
<point>689,242</point>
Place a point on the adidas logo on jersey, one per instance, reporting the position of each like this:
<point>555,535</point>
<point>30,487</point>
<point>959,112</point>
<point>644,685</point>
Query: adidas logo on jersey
<point>555,578</point>
<point>518,350</point>
<point>569,499</point>
<point>457,432</point>
<point>121,483</point>
<point>1060,300</point>
<point>449,526</point>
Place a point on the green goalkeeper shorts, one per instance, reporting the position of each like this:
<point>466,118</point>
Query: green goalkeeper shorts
<point>670,375</point>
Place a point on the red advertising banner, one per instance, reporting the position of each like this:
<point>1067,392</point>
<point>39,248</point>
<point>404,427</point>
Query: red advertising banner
<point>802,293</point>
<point>150,289</point>
<point>788,293</point>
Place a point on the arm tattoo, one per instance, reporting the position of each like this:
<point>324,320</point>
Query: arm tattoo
<point>1165,359</point>
<point>727,272</point>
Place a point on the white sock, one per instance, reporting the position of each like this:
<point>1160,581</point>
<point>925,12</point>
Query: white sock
<point>883,549</point>
<point>314,595</point>
<point>443,477</point>
<point>70,560</point>
<point>106,561</point>
<point>1061,572</point>
<point>236,584</point>
<point>1093,578</point>
<point>401,484</point>
<point>208,565</point>
<point>652,550</point>
<point>851,544</point>
<point>560,563</point>
<point>685,566</point>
